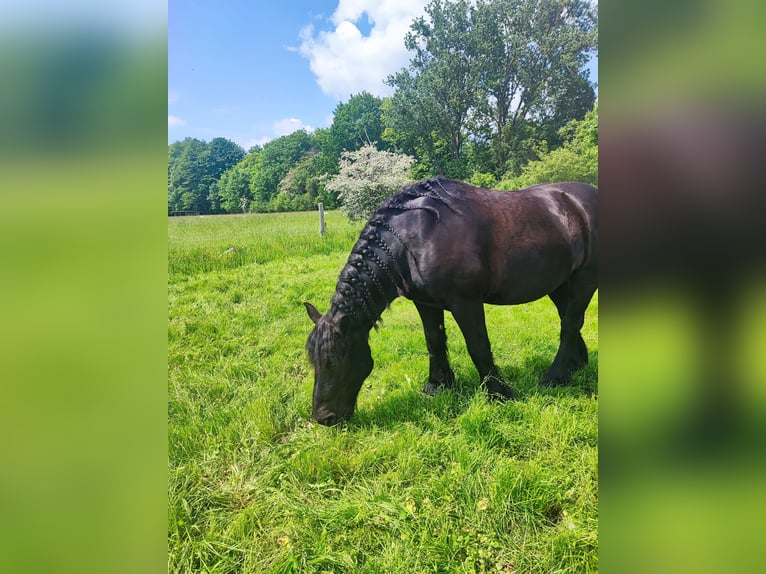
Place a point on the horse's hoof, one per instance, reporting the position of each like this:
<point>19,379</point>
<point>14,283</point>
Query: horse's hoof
<point>498,390</point>
<point>431,388</point>
<point>435,384</point>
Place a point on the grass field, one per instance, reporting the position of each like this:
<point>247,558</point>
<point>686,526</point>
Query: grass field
<point>411,483</point>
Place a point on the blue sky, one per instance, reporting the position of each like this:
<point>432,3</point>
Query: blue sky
<point>254,70</point>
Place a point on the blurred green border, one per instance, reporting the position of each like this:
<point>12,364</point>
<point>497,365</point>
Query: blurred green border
<point>680,492</point>
<point>83,338</point>
<point>83,153</point>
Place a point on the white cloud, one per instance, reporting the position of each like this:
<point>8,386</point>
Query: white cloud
<point>248,143</point>
<point>287,126</point>
<point>279,128</point>
<point>175,122</point>
<point>345,61</point>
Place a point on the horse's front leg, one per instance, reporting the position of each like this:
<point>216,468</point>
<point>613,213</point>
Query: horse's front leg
<point>439,372</point>
<point>470,318</point>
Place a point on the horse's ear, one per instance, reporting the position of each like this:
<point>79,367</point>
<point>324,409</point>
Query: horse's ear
<point>314,314</point>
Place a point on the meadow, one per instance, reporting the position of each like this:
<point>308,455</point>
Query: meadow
<point>411,484</point>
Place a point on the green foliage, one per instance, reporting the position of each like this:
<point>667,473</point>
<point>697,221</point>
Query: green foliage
<point>223,154</point>
<point>562,164</point>
<point>435,94</point>
<point>302,177</point>
<point>533,52</point>
<point>491,86</point>
<point>276,159</point>
<point>234,191</point>
<point>194,166</point>
<point>283,175</point>
<point>450,483</point>
<point>485,180</point>
<point>576,160</point>
<point>355,123</point>
<point>368,177</point>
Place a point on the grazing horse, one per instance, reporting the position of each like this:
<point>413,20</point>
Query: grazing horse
<point>448,245</point>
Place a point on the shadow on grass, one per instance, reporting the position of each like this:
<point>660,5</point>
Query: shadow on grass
<point>413,406</point>
<point>525,379</point>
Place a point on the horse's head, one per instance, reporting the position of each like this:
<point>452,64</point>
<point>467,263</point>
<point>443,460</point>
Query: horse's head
<point>341,357</point>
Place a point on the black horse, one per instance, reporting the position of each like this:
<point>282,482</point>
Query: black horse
<point>448,245</point>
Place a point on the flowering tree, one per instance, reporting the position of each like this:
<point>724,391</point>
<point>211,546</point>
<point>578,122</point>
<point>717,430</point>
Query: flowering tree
<point>367,178</point>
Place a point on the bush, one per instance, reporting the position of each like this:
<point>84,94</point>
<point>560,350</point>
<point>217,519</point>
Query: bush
<point>368,177</point>
<point>576,160</point>
<point>562,164</point>
<point>485,180</point>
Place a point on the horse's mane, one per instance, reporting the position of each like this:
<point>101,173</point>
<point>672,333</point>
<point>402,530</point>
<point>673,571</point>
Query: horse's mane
<point>406,198</point>
<point>372,276</point>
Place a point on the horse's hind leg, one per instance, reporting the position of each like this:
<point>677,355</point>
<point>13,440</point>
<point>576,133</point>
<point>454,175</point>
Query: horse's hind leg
<point>571,300</point>
<point>439,372</point>
<point>579,354</point>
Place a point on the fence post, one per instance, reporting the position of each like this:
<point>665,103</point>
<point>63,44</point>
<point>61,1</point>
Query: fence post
<point>321,218</point>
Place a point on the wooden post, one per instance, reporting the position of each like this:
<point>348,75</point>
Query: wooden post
<point>321,218</point>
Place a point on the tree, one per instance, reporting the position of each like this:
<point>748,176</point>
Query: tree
<point>355,123</point>
<point>576,160</point>
<point>367,177</point>
<point>234,190</point>
<point>531,72</point>
<point>277,158</point>
<point>194,166</point>
<point>188,180</point>
<point>302,178</point>
<point>501,75</point>
<point>234,187</point>
<point>437,92</point>
<point>223,154</point>
<point>408,132</point>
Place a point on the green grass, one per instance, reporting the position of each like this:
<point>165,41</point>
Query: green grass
<point>411,484</point>
<point>213,243</point>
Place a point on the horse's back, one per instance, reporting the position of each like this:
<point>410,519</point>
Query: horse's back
<point>579,195</point>
<point>537,214</point>
<point>575,205</point>
<point>506,247</point>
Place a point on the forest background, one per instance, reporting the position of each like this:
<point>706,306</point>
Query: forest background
<point>496,93</point>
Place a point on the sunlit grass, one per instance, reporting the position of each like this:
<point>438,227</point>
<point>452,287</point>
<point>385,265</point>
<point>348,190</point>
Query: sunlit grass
<point>450,483</point>
<point>211,243</point>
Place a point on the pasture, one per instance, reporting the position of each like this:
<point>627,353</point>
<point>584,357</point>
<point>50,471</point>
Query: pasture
<point>411,484</point>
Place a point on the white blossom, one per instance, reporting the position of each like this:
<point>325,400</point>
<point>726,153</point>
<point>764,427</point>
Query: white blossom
<point>367,178</point>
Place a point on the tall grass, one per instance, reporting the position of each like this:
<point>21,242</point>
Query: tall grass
<point>450,483</point>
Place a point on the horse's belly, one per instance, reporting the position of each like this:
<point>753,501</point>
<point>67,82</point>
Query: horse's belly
<point>514,298</point>
<point>522,279</point>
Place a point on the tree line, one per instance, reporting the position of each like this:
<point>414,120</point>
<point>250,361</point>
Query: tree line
<point>494,93</point>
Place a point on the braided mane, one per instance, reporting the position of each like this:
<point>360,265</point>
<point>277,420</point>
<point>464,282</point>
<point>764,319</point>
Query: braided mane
<point>404,199</point>
<point>372,276</point>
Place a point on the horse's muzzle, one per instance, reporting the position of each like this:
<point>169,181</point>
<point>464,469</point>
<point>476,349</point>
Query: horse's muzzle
<point>329,418</point>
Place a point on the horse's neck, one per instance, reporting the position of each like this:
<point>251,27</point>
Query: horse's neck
<point>371,279</point>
